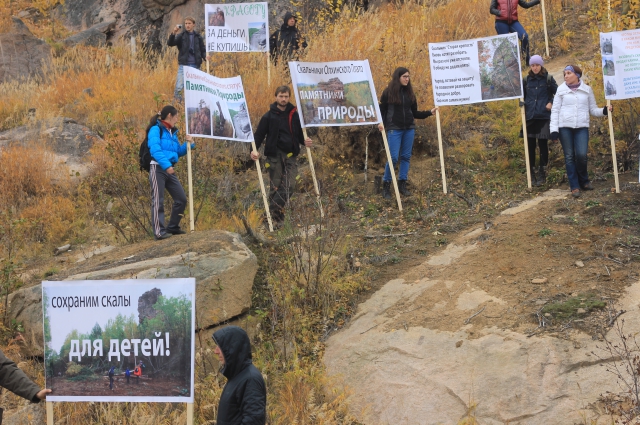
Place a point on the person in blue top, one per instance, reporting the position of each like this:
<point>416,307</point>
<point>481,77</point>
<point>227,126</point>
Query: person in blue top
<point>127,373</point>
<point>165,151</point>
<point>112,372</point>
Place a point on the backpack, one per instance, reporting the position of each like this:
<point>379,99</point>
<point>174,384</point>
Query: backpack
<point>144,155</point>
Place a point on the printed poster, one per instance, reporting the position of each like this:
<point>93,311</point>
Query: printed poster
<point>216,108</point>
<point>119,340</point>
<point>335,93</point>
<point>478,70</point>
<point>237,27</point>
<point>621,64</point>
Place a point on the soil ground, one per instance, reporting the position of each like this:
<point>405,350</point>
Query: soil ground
<point>147,387</point>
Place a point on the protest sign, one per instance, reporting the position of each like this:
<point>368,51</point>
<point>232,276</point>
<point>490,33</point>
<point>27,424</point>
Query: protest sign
<point>237,27</point>
<point>96,331</point>
<point>216,108</point>
<point>335,93</point>
<point>478,70</point>
<point>621,64</point>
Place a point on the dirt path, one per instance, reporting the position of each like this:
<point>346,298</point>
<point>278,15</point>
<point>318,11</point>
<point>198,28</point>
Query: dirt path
<point>470,326</point>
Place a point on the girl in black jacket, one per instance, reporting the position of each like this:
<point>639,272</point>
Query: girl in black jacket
<point>539,89</point>
<point>399,107</point>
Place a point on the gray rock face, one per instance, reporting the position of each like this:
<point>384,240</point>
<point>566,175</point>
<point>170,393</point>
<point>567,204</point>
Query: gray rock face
<point>22,55</point>
<point>145,305</point>
<point>223,266</point>
<point>69,140</point>
<point>31,414</point>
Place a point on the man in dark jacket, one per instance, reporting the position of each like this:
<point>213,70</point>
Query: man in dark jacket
<point>15,380</point>
<point>244,397</point>
<point>285,42</point>
<point>506,12</point>
<point>281,126</point>
<point>191,51</point>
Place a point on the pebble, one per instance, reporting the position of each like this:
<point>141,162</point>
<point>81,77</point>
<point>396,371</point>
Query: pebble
<point>539,280</point>
<point>547,315</point>
<point>581,311</point>
<point>579,263</point>
<point>459,344</point>
<point>558,217</point>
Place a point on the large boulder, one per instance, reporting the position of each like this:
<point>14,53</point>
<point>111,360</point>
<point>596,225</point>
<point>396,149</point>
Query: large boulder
<point>67,139</point>
<point>22,55</point>
<point>223,266</point>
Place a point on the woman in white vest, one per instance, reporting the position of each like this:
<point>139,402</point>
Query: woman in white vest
<point>573,103</point>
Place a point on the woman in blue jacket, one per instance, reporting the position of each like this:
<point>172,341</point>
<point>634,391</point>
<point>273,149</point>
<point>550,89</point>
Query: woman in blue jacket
<point>539,89</point>
<point>162,136</point>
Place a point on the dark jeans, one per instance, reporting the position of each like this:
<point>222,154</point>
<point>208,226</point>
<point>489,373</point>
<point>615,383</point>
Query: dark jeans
<point>161,180</point>
<point>283,170</point>
<point>544,151</point>
<point>502,27</point>
<point>575,142</point>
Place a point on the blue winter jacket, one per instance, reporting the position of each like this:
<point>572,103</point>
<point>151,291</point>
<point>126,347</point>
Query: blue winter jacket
<point>164,145</point>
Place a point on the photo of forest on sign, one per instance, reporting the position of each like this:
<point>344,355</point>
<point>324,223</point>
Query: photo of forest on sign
<point>500,76</point>
<point>154,346</point>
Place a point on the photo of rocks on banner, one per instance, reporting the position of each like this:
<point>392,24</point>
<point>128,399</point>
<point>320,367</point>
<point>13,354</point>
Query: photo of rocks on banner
<point>237,27</point>
<point>335,93</point>
<point>129,340</point>
<point>216,107</point>
<point>499,61</point>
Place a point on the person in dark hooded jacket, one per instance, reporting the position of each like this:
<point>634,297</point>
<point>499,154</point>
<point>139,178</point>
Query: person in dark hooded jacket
<point>539,89</point>
<point>285,42</point>
<point>283,131</point>
<point>244,397</point>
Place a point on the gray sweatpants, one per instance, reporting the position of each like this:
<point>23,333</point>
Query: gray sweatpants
<point>161,180</point>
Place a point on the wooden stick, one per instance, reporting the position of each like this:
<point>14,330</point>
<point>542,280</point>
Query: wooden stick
<point>544,21</point>
<point>264,193</point>
<point>366,156</point>
<point>207,65</point>
<point>526,143</point>
<point>613,147</point>
<point>444,177</point>
<point>391,168</point>
<point>268,69</point>
<point>313,174</point>
<point>190,180</point>
<point>49,412</point>
<point>189,413</point>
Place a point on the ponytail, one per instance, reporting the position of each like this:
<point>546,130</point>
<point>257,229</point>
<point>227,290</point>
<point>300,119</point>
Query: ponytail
<point>162,115</point>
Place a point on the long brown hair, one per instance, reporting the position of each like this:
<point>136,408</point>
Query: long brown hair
<point>393,89</point>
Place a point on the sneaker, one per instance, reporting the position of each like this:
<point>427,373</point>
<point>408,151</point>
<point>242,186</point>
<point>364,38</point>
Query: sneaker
<point>575,193</point>
<point>163,236</point>
<point>587,186</point>
<point>177,231</point>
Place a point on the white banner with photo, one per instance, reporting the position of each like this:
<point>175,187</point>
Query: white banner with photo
<point>237,27</point>
<point>478,70</point>
<point>620,64</point>
<point>335,93</point>
<point>216,108</point>
<point>119,340</point>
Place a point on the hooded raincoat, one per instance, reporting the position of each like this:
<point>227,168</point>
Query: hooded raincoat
<point>244,397</point>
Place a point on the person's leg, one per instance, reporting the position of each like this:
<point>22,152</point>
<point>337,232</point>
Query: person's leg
<point>544,152</point>
<point>524,38</point>
<point>566,140</point>
<point>157,179</point>
<point>406,147</point>
<point>176,191</point>
<point>177,92</point>
<point>502,27</point>
<point>276,201</point>
<point>581,145</point>
<point>531,145</point>
<point>393,139</point>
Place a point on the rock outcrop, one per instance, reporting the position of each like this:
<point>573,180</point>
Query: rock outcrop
<point>145,305</point>
<point>22,55</point>
<point>67,139</point>
<point>223,266</point>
